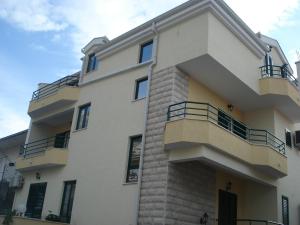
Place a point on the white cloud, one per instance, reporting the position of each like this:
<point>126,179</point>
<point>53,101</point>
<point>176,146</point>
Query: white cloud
<point>265,15</point>
<point>32,15</point>
<point>11,121</point>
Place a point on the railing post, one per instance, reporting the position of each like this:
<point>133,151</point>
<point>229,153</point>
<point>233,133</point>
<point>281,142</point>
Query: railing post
<point>168,113</point>
<point>266,137</point>
<point>184,110</point>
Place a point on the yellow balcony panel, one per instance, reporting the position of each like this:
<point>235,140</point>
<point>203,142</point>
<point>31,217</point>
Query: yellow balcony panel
<point>187,133</point>
<point>279,87</point>
<point>62,97</point>
<point>49,158</point>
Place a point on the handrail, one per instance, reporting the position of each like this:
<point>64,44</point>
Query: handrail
<point>52,88</point>
<point>40,146</point>
<point>278,71</point>
<point>205,111</point>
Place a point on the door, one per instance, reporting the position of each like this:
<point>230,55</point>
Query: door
<point>62,140</point>
<point>35,200</point>
<point>67,201</point>
<point>227,208</point>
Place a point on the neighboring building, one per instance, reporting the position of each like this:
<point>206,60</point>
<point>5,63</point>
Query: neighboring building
<point>212,139</point>
<point>10,179</point>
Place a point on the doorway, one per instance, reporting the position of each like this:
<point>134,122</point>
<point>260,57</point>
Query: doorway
<point>227,208</point>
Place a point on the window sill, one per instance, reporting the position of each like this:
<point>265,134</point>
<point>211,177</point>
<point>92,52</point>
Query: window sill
<point>139,99</point>
<point>129,183</point>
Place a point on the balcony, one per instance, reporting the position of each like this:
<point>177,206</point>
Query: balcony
<point>193,124</point>
<point>54,96</point>
<point>49,152</point>
<point>279,81</point>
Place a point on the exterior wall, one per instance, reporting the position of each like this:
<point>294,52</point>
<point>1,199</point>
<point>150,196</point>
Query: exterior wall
<point>261,119</point>
<point>233,55</point>
<point>182,42</point>
<point>100,193</point>
<point>249,194</point>
<point>199,93</point>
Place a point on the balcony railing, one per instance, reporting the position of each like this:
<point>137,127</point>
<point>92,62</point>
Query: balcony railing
<point>258,222</point>
<point>52,88</point>
<point>278,71</point>
<point>205,111</point>
<point>40,146</point>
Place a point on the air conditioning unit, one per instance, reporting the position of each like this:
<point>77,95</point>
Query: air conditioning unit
<point>297,138</point>
<point>17,181</point>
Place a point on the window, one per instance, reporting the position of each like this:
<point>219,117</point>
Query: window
<point>92,63</point>
<point>35,200</point>
<point>146,52</point>
<point>83,116</point>
<point>288,138</point>
<point>239,129</point>
<point>67,201</point>
<point>134,159</point>
<point>141,88</point>
<point>285,210</point>
<point>224,120</point>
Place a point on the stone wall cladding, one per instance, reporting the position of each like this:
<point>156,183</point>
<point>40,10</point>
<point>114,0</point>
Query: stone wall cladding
<point>190,193</point>
<point>158,202</point>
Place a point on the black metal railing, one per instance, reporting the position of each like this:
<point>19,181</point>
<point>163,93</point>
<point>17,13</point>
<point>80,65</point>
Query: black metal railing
<point>40,146</point>
<point>52,88</point>
<point>205,111</point>
<point>278,71</point>
<point>256,222</point>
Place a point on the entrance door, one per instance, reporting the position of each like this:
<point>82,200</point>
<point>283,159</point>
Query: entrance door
<point>35,200</point>
<point>67,201</point>
<point>227,208</point>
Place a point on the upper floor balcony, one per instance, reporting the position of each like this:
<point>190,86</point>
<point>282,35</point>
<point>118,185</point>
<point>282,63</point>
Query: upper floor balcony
<point>279,82</point>
<point>48,152</point>
<point>200,131</point>
<point>53,96</point>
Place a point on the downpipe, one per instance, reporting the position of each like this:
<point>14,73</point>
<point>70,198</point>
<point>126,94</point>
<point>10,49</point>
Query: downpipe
<point>150,71</point>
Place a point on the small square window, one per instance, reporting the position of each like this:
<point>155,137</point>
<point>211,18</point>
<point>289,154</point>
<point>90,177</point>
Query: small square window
<point>141,88</point>
<point>134,159</point>
<point>83,116</point>
<point>92,63</point>
<point>288,138</point>
<point>146,52</point>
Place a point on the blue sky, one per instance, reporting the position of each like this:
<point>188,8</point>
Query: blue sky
<point>41,40</point>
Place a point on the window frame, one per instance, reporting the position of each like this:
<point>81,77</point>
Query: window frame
<point>137,88</point>
<point>287,131</point>
<point>284,198</point>
<point>94,66</point>
<point>129,154</point>
<point>82,107</point>
<point>142,46</point>
<point>70,206</point>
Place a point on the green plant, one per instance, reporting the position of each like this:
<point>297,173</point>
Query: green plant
<point>8,219</point>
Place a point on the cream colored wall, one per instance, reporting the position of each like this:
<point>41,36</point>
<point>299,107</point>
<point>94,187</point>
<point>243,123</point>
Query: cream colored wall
<point>98,156</point>
<point>229,51</point>
<point>261,119</point>
<point>186,40</point>
<point>255,201</point>
<point>200,93</point>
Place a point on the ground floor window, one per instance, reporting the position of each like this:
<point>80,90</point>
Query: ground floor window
<point>67,201</point>
<point>35,200</point>
<point>285,210</point>
<point>134,159</point>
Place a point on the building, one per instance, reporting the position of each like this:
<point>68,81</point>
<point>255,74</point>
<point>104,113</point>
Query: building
<point>190,118</point>
<point>10,179</point>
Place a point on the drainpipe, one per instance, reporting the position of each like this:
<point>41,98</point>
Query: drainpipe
<point>150,70</point>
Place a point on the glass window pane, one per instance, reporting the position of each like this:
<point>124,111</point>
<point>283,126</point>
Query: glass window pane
<point>134,159</point>
<point>141,89</point>
<point>146,52</point>
<point>83,116</point>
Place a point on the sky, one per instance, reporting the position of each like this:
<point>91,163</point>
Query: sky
<point>41,40</point>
